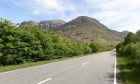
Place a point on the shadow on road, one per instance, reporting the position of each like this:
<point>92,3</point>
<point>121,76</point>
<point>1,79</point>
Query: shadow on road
<point>110,76</point>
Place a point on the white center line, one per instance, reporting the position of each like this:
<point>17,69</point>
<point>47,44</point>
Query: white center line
<point>44,81</point>
<point>84,63</point>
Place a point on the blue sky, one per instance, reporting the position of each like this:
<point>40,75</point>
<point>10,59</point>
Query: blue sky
<point>115,14</point>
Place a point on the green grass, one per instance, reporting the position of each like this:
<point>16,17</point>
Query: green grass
<point>129,70</point>
<point>25,65</point>
<point>106,48</point>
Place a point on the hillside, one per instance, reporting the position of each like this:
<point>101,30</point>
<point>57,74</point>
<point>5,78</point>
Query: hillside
<point>48,24</point>
<point>30,43</point>
<point>51,24</point>
<point>82,29</point>
<point>86,29</point>
<point>120,35</point>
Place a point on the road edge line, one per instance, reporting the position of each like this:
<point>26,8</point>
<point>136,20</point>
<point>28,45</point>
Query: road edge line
<point>115,70</point>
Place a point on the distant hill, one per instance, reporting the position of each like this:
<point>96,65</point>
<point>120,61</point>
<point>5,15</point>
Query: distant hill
<point>125,32</point>
<point>48,24</point>
<point>82,29</point>
<point>51,24</point>
<point>28,22</point>
<point>120,35</point>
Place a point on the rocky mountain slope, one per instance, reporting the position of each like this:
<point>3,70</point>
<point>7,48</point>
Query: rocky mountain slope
<point>86,29</point>
<point>51,24</point>
<point>125,32</point>
<point>28,22</point>
<point>82,29</point>
<point>48,24</point>
<point>120,35</point>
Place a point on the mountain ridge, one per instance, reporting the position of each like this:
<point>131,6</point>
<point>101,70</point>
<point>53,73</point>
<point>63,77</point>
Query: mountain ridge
<point>83,29</point>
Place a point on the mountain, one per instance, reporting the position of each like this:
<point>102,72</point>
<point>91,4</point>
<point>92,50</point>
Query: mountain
<point>48,24</point>
<point>82,29</point>
<point>51,24</point>
<point>86,29</point>
<point>120,35</point>
<point>125,32</point>
<point>28,22</point>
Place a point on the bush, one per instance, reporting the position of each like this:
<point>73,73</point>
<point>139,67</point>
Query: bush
<point>136,52</point>
<point>106,47</point>
<point>94,47</point>
<point>30,43</point>
<point>130,47</point>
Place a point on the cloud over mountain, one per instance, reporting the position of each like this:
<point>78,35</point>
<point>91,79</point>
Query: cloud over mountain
<point>116,14</point>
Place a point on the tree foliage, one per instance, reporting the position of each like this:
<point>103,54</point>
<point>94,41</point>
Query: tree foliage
<point>94,47</point>
<point>30,43</point>
<point>130,47</point>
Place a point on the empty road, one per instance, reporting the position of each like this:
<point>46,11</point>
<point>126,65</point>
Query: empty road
<point>91,69</point>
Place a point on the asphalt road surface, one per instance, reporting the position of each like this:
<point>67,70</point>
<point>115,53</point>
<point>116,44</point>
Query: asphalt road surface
<point>91,69</point>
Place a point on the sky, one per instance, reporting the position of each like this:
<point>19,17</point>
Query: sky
<point>115,14</point>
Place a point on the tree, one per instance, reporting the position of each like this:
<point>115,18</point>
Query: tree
<point>94,47</point>
<point>137,36</point>
<point>129,38</point>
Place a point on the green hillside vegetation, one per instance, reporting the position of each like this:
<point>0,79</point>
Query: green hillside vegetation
<point>99,48</point>
<point>129,58</point>
<point>30,43</point>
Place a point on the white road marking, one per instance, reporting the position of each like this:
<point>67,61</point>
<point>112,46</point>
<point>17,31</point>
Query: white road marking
<point>115,71</point>
<point>44,81</point>
<point>84,63</point>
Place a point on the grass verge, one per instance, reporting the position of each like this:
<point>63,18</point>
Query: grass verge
<point>129,70</point>
<point>25,65</point>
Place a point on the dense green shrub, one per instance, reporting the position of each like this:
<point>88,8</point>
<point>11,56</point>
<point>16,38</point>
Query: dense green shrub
<point>130,47</point>
<point>129,39</point>
<point>136,52</point>
<point>106,47</point>
<point>119,46</point>
<point>87,49</point>
<point>94,47</point>
<point>18,45</point>
<point>30,43</point>
<point>137,36</point>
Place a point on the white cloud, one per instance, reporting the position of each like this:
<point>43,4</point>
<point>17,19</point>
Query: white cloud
<point>122,13</point>
<point>56,8</point>
<point>116,14</point>
<point>49,4</point>
<point>35,12</point>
